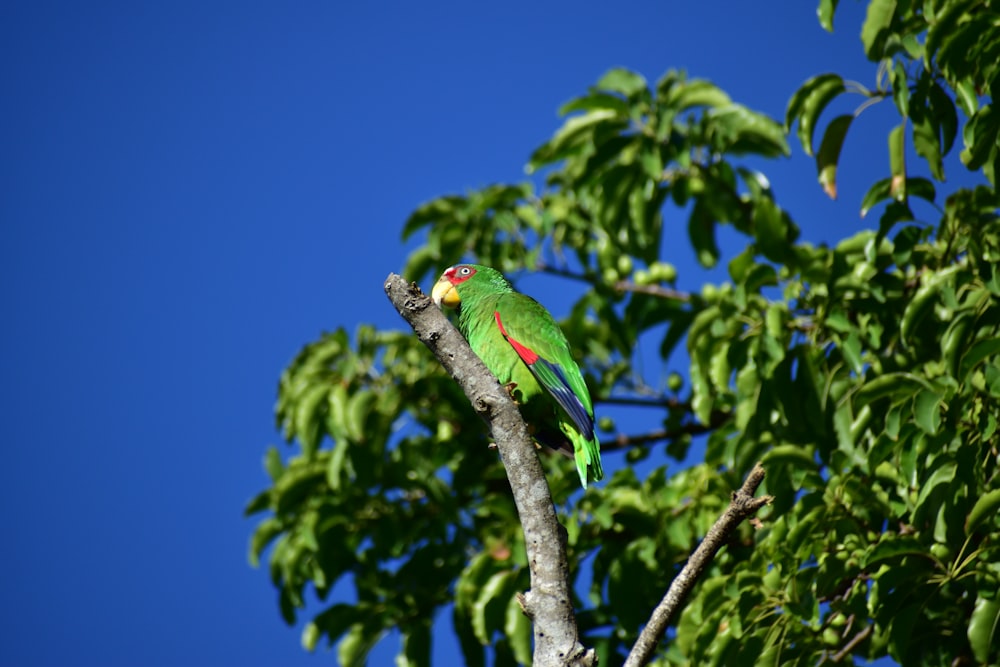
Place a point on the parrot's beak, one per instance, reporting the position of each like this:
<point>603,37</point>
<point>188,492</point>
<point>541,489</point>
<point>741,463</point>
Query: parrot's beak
<point>445,294</point>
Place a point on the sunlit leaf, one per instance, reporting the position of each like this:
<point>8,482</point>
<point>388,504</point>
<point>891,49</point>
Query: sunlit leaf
<point>875,30</point>
<point>825,12</point>
<point>829,153</point>
<point>986,507</point>
<point>984,629</point>
<point>620,80</point>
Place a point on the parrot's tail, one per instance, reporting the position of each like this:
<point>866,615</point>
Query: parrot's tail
<point>588,455</point>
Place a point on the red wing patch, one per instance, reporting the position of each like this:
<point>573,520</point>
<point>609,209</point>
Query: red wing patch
<point>526,353</point>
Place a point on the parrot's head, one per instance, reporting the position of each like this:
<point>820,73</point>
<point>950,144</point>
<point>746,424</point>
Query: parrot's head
<point>445,292</point>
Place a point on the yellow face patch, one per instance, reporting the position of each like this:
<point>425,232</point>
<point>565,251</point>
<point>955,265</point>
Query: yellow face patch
<point>445,294</point>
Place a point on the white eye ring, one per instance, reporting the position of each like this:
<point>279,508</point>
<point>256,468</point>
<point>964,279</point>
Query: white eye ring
<point>464,271</point>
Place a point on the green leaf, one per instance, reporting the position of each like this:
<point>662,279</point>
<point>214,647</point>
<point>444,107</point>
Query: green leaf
<point>980,137</point>
<point>335,471</point>
<point>273,464</point>
<point>792,455</point>
<point>773,230</point>
<point>491,598</point>
<point>574,135</point>
<point>922,303</point>
<point>977,353</point>
<point>829,153</point>
<point>297,484</point>
<point>900,88</point>
<point>310,413</point>
<point>927,143</point>
<point>967,97</point>
<point>353,649</point>
<point>259,503</point>
<point>943,26</point>
<point>595,102</point>
<point>360,404</point>
<point>518,629</point>
<point>851,349</point>
<point>310,635</point>
<point>926,411</point>
<point>825,12</point>
<point>892,547</point>
<point>986,507</point>
<point>939,480</point>
<point>335,621</point>
<point>696,93</point>
<point>416,649</point>
<point>701,230</point>
<point>808,103</point>
<point>472,651</point>
<point>984,629</point>
<point>897,162</point>
<point>875,30</point>
<point>739,131</point>
<point>878,192</point>
<point>899,385</point>
<point>621,80</point>
<point>943,111</point>
<point>264,534</point>
<point>921,187</point>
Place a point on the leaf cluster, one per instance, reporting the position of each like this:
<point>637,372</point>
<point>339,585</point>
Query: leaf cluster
<point>866,377</point>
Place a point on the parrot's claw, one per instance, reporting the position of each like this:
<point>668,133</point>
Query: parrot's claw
<point>510,387</point>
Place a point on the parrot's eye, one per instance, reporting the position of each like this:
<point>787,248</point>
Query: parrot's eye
<point>464,271</point>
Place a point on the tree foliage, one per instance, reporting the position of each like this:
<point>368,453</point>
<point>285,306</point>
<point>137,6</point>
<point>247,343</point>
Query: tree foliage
<point>865,376</point>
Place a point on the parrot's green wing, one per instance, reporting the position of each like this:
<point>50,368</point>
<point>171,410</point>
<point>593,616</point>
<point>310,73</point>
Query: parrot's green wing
<point>541,345</point>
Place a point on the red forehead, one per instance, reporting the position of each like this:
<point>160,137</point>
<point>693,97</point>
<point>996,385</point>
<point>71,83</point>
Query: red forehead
<point>459,273</point>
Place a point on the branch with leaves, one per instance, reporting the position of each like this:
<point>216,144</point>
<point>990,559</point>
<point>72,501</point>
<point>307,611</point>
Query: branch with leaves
<point>742,506</point>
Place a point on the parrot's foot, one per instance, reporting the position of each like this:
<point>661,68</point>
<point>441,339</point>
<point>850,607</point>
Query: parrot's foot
<point>510,387</point>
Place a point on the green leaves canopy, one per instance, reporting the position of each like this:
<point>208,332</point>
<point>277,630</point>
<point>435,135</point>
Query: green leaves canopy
<point>866,376</point>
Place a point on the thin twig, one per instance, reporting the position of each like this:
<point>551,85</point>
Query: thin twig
<point>666,402</point>
<point>742,506</point>
<point>653,290</point>
<point>622,441</point>
<point>851,645</point>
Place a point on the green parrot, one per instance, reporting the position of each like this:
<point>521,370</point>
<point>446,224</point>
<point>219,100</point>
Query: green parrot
<point>524,348</point>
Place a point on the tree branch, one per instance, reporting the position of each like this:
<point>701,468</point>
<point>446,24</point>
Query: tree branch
<point>621,286</point>
<point>742,506</point>
<point>656,290</point>
<point>644,401</point>
<point>549,603</point>
<point>623,441</point>
<point>853,644</point>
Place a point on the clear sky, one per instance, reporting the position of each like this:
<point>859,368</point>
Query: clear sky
<point>191,191</point>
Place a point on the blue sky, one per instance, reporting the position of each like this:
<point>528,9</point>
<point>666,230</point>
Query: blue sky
<point>192,191</point>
